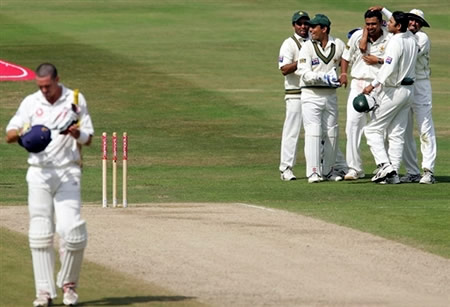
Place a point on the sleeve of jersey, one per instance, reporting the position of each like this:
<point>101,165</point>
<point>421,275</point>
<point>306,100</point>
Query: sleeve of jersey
<point>286,56</point>
<point>85,118</point>
<point>21,118</point>
<point>391,61</point>
<point>350,47</point>
<point>304,69</point>
<point>386,13</point>
<point>423,42</point>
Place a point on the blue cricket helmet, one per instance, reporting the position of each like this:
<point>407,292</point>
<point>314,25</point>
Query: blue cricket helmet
<point>36,139</point>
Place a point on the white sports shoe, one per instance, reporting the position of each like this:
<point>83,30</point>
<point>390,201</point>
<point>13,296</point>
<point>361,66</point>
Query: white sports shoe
<point>70,297</point>
<point>314,178</point>
<point>428,177</point>
<point>354,175</point>
<point>334,176</point>
<point>391,180</point>
<point>410,178</point>
<point>288,175</point>
<point>386,171</point>
<point>43,300</point>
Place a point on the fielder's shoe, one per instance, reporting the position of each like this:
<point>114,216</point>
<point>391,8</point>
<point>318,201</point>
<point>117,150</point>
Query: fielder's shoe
<point>314,178</point>
<point>288,175</point>
<point>391,180</point>
<point>428,177</point>
<point>43,300</point>
<point>410,178</point>
<point>70,297</point>
<point>386,171</point>
<point>379,166</point>
<point>354,175</point>
<point>334,176</point>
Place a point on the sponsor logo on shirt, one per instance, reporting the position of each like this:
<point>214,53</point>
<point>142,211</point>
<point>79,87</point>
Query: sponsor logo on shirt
<point>39,112</point>
<point>315,61</point>
<point>388,60</point>
<point>280,59</point>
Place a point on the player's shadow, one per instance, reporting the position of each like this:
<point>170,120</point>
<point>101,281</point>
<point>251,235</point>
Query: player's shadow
<point>129,300</point>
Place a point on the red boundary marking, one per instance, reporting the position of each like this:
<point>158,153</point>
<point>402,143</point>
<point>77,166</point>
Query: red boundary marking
<point>14,72</point>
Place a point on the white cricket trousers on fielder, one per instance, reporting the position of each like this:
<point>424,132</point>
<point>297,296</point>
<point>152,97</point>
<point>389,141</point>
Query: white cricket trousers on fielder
<point>354,128</point>
<point>51,191</point>
<point>389,119</point>
<point>291,133</point>
<point>320,114</point>
<point>421,110</point>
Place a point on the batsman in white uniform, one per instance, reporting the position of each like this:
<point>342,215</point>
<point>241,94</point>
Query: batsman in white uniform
<point>421,108</point>
<point>287,63</point>
<point>396,77</point>
<point>53,178</point>
<point>364,68</point>
<point>318,60</point>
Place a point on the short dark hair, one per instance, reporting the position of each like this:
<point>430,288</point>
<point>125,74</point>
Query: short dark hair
<point>371,14</point>
<point>47,69</point>
<point>402,19</point>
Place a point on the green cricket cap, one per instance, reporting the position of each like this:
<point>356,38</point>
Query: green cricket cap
<point>299,14</point>
<point>320,19</point>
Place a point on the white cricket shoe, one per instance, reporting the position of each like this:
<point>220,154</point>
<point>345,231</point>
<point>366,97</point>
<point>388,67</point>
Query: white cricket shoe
<point>410,178</point>
<point>386,171</point>
<point>428,177</point>
<point>288,175</point>
<point>43,300</point>
<point>334,176</point>
<point>354,175</point>
<point>314,178</point>
<point>391,180</point>
<point>70,297</point>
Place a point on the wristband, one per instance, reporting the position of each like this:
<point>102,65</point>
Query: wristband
<point>380,61</point>
<point>83,138</point>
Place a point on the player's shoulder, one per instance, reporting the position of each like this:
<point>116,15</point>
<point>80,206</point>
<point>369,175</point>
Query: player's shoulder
<point>422,36</point>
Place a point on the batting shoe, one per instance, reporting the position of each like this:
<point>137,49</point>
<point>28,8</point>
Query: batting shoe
<point>428,177</point>
<point>288,175</point>
<point>410,178</point>
<point>334,176</point>
<point>314,178</point>
<point>354,175</point>
<point>70,297</point>
<point>43,300</point>
<point>391,180</point>
<point>386,171</point>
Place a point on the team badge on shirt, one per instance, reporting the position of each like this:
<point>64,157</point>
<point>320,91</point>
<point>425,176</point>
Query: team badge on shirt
<point>315,61</point>
<point>388,60</point>
<point>280,59</point>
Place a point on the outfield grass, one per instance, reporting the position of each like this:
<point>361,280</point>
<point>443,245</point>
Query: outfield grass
<point>196,86</point>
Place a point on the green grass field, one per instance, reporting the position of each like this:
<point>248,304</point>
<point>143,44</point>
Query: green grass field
<point>196,86</point>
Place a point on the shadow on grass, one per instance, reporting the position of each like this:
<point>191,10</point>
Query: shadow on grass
<point>129,300</point>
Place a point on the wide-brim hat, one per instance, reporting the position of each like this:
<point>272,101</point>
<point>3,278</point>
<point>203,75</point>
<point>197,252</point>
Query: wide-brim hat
<point>418,15</point>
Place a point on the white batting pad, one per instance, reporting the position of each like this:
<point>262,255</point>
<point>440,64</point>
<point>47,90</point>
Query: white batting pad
<point>330,149</point>
<point>312,149</point>
<point>43,255</point>
<point>71,252</point>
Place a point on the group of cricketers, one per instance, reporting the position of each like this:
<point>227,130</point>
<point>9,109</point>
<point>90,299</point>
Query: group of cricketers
<point>387,63</point>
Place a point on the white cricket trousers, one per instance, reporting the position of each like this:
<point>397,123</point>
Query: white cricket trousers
<point>291,133</point>
<point>320,117</point>
<point>389,119</point>
<point>421,110</point>
<point>354,128</point>
<point>55,191</point>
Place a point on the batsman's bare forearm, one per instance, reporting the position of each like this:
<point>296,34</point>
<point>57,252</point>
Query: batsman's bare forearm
<point>288,68</point>
<point>12,136</point>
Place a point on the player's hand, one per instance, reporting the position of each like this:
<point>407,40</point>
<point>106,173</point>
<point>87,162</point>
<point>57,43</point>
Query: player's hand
<point>331,79</point>
<point>375,8</point>
<point>370,59</point>
<point>343,80</point>
<point>74,131</point>
<point>368,89</point>
<point>66,120</point>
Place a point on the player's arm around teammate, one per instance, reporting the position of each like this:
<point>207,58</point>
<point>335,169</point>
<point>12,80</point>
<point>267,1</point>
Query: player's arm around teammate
<point>58,122</point>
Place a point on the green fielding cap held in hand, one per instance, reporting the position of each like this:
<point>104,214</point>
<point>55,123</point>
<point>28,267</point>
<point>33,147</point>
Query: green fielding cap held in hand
<point>299,14</point>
